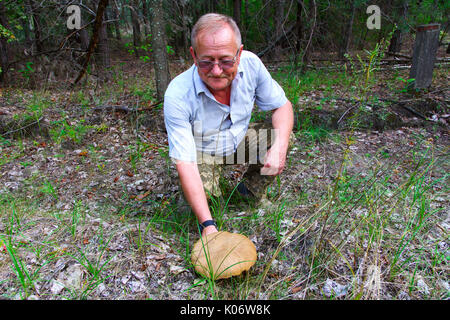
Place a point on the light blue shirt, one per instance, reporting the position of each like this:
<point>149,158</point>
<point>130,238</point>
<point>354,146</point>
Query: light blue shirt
<point>196,122</point>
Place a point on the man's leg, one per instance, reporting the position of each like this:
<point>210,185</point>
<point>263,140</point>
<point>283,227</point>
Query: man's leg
<point>210,170</point>
<point>258,140</point>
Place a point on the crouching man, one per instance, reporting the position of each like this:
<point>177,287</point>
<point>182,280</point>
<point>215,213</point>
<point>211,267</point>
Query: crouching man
<point>207,111</point>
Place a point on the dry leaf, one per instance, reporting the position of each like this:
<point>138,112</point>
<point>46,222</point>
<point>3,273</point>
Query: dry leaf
<point>141,197</point>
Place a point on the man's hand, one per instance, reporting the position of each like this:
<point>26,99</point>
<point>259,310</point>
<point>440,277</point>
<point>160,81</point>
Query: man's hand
<point>208,230</point>
<point>282,122</point>
<point>275,160</point>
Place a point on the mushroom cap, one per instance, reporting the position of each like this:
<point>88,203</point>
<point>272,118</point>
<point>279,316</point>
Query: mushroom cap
<point>223,254</point>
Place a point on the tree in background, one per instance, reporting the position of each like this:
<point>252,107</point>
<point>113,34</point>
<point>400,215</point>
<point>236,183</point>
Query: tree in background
<point>159,45</point>
<point>294,31</point>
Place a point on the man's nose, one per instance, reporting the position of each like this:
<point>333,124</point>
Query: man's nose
<point>216,69</point>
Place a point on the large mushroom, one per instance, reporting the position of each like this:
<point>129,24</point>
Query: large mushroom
<point>223,254</point>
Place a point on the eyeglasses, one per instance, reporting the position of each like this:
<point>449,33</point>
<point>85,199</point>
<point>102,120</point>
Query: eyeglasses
<point>207,65</point>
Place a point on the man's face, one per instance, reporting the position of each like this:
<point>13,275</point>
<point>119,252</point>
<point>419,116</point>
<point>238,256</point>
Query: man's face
<point>218,46</point>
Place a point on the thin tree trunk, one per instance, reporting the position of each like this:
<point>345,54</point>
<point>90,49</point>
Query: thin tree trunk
<point>159,45</point>
<point>4,59</point>
<point>245,22</point>
<point>184,34</point>
<point>145,16</point>
<point>348,32</point>
<point>109,26</point>
<point>94,39</point>
<point>36,26</point>
<point>136,28</point>
<point>116,15</point>
<point>212,5</point>
<point>306,55</point>
<point>103,55</point>
<point>237,5</point>
<point>396,42</point>
<point>299,30</point>
<point>279,19</point>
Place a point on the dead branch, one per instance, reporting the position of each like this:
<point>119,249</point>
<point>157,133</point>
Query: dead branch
<point>94,39</point>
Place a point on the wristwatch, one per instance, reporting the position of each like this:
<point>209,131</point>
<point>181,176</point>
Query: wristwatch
<point>207,223</point>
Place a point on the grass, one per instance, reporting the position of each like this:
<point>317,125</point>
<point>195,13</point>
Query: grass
<point>372,220</point>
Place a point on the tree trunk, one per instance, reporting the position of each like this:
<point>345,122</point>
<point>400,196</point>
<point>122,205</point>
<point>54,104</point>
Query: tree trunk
<point>424,56</point>
<point>212,5</point>
<point>237,5</point>
<point>103,55</point>
<point>396,42</point>
<point>109,25</point>
<point>36,26</point>
<point>267,17</point>
<point>306,55</point>
<point>4,61</point>
<point>136,27</point>
<point>26,30</point>
<point>159,45</point>
<point>299,27</point>
<point>348,32</point>
<point>185,43</point>
<point>245,22</point>
<point>116,15</point>
<point>145,16</point>
<point>94,39</point>
<point>279,19</point>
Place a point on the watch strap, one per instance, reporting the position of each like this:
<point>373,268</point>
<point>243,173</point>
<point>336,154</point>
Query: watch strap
<point>207,223</point>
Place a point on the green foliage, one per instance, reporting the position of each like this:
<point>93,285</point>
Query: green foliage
<point>428,11</point>
<point>5,33</point>
<point>62,130</point>
<point>406,82</point>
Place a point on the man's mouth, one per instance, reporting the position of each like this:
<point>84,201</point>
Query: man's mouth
<point>218,77</point>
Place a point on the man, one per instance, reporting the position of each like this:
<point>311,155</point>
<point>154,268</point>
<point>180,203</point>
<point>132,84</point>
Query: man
<point>207,111</point>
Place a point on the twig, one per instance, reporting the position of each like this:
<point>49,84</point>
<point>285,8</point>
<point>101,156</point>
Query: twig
<point>22,128</point>
<point>126,108</point>
<point>94,39</point>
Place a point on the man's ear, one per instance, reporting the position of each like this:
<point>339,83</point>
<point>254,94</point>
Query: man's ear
<point>240,52</point>
<point>191,50</point>
<point>240,49</point>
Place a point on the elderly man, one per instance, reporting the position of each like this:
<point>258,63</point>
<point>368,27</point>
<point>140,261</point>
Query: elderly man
<point>207,111</point>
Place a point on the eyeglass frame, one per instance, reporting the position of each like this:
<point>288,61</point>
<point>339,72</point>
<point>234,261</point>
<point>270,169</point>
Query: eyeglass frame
<point>212,64</point>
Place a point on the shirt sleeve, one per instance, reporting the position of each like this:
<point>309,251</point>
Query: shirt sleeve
<point>179,130</point>
<point>269,94</point>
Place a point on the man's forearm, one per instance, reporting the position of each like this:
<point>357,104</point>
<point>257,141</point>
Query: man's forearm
<point>283,122</point>
<point>192,185</point>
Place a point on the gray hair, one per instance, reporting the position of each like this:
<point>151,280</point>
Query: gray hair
<point>214,22</point>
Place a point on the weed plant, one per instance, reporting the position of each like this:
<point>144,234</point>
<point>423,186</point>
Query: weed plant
<point>376,228</point>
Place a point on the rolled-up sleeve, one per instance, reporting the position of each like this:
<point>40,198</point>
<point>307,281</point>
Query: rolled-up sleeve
<point>179,130</point>
<point>269,94</point>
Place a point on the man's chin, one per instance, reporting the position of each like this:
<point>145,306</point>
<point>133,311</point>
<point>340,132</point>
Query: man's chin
<point>218,84</point>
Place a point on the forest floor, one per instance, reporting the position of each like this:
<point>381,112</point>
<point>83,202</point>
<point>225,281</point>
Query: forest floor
<point>90,207</point>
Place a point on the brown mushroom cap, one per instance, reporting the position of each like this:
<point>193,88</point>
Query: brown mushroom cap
<point>223,254</point>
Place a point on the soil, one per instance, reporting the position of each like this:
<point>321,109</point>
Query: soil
<point>101,200</point>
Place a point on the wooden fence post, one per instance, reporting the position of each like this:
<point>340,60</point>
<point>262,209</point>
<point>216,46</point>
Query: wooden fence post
<point>424,56</point>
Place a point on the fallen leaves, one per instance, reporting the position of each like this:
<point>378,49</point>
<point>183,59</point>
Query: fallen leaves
<point>141,197</point>
<point>129,173</point>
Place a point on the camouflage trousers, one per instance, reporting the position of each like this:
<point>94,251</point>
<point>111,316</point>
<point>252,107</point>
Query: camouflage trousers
<point>251,150</point>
